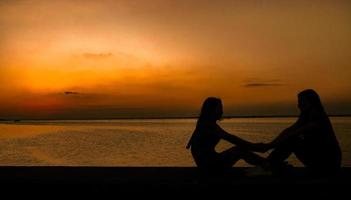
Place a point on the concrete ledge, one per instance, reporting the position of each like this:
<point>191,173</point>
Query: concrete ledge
<point>187,176</point>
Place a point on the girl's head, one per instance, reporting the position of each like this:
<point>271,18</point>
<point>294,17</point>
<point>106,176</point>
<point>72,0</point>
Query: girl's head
<point>308,100</point>
<point>212,109</point>
<point>311,106</point>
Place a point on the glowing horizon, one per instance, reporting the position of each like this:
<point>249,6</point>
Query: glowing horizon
<point>70,59</point>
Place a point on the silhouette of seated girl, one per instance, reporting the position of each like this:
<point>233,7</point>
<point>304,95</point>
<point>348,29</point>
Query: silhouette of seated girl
<point>207,135</point>
<point>311,138</point>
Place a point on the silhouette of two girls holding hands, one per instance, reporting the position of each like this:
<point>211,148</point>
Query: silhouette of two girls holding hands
<point>311,138</point>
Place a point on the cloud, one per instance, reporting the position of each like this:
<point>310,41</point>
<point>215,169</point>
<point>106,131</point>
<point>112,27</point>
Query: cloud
<point>263,83</point>
<point>97,55</point>
<point>71,93</point>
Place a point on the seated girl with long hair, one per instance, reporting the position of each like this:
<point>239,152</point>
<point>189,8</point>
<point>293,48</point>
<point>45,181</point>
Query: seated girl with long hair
<point>207,135</point>
<point>311,138</point>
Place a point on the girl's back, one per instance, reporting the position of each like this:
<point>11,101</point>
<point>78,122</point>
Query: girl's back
<point>205,138</point>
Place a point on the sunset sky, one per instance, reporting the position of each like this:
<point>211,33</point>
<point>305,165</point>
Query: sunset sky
<point>161,58</point>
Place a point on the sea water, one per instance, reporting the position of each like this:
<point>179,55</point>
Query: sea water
<point>148,142</point>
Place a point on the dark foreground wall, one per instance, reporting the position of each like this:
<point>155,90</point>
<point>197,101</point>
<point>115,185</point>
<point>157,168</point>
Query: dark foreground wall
<point>173,179</point>
<point>160,175</point>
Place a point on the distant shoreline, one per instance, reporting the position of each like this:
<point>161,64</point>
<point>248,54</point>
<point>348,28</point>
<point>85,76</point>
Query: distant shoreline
<point>155,118</point>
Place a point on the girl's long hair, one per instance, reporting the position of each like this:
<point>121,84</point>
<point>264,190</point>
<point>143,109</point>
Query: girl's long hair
<point>209,110</point>
<point>208,113</point>
<point>316,112</point>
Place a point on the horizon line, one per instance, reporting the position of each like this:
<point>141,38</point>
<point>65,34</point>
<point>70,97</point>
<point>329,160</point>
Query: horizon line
<point>175,117</point>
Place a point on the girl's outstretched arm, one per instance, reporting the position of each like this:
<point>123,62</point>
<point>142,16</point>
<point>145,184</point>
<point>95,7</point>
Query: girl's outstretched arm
<point>291,132</point>
<point>239,142</point>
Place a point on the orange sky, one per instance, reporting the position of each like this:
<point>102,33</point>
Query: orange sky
<point>101,59</point>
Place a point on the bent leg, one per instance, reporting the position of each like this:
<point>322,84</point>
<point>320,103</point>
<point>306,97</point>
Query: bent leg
<point>283,151</point>
<point>234,154</point>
